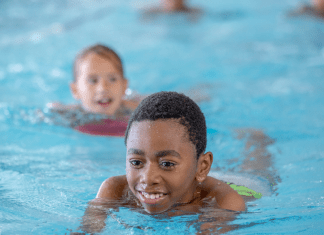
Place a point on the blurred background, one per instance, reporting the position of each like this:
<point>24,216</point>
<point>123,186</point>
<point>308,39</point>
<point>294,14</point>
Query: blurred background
<point>261,67</point>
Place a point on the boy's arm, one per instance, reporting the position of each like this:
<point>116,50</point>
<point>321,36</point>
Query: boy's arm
<point>218,221</point>
<point>226,197</point>
<point>113,188</point>
<point>93,220</point>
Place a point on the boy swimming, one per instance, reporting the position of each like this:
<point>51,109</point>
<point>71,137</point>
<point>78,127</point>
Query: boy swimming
<point>166,163</point>
<point>99,84</point>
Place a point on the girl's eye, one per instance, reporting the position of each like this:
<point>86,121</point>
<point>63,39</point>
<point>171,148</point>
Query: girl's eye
<point>92,80</point>
<point>136,163</point>
<point>167,164</point>
<point>113,79</point>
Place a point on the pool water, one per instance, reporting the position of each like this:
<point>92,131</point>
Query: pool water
<point>263,73</point>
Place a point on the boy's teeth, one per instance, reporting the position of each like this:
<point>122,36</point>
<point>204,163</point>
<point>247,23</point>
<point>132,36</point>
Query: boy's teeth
<point>152,196</point>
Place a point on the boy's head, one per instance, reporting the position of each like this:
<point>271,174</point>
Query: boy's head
<point>166,140</point>
<point>99,81</point>
<point>172,105</point>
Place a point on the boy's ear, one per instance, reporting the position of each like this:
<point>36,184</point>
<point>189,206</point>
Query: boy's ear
<point>74,90</point>
<point>204,164</point>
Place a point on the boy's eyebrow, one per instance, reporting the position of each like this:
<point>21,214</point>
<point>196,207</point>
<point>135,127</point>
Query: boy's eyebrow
<point>168,153</point>
<point>158,154</point>
<point>135,151</point>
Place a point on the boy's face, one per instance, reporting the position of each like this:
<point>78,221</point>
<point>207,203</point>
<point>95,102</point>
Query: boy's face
<point>99,85</point>
<point>161,164</point>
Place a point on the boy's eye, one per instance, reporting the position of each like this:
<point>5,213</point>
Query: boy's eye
<point>167,164</point>
<point>136,163</point>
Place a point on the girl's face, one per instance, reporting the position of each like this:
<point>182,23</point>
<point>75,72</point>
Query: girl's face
<point>99,85</point>
<point>161,164</point>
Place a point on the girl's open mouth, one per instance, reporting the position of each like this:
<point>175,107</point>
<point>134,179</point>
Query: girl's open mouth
<point>105,102</point>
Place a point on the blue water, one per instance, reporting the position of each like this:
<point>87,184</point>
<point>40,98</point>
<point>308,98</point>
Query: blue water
<point>261,69</point>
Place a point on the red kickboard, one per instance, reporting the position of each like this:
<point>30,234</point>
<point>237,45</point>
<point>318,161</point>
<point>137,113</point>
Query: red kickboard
<point>106,127</point>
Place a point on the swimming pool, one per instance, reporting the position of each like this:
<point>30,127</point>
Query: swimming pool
<point>262,70</point>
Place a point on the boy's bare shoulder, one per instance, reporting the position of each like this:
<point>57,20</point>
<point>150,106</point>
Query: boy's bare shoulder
<point>113,187</point>
<point>226,197</point>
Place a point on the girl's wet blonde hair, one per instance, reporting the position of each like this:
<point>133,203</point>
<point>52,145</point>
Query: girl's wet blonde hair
<point>102,51</point>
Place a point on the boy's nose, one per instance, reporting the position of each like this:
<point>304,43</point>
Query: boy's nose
<point>150,175</point>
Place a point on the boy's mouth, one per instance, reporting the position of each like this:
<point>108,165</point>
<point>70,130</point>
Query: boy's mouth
<point>151,198</point>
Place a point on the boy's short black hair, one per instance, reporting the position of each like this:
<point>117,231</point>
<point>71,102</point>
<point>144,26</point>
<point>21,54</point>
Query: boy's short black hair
<point>172,105</point>
<point>102,51</point>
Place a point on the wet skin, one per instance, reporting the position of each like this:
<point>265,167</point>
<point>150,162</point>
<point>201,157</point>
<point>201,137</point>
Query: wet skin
<point>163,173</point>
<point>319,5</point>
<point>315,9</point>
<point>173,5</point>
<point>161,166</point>
<point>161,162</point>
<point>99,85</point>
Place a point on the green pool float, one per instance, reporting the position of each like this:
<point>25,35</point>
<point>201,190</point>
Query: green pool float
<point>244,191</point>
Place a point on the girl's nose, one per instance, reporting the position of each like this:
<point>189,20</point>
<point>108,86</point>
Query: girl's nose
<point>103,85</point>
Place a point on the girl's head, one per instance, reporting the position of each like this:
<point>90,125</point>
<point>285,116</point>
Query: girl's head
<point>99,81</point>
